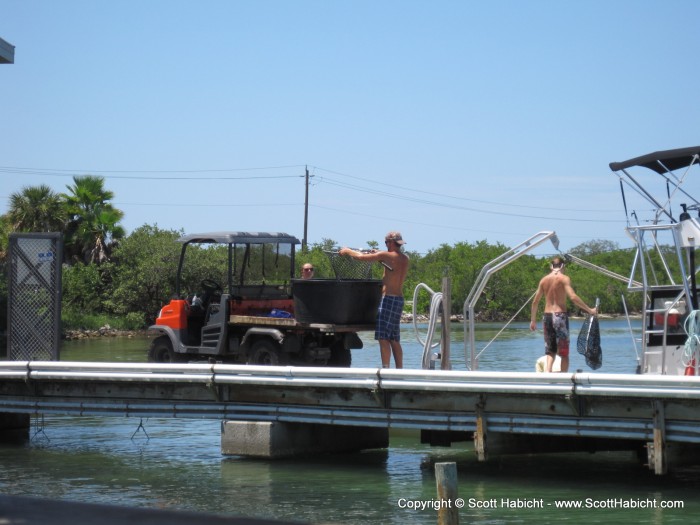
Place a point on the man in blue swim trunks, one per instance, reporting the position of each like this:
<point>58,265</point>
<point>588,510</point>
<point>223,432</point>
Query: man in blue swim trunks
<point>555,288</point>
<point>395,264</point>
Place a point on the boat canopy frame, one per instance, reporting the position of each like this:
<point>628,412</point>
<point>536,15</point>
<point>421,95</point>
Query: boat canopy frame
<point>671,223</point>
<point>471,355</point>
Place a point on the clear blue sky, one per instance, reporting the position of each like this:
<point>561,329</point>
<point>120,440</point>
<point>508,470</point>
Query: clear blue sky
<point>447,120</point>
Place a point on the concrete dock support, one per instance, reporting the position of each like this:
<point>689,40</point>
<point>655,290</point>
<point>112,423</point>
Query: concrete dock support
<point>279,440</point>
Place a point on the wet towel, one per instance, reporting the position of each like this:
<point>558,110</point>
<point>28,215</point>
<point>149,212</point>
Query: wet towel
<point>588,343</point>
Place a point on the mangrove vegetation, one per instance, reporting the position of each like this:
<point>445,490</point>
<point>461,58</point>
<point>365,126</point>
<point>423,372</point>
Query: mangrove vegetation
<point>123,280</point>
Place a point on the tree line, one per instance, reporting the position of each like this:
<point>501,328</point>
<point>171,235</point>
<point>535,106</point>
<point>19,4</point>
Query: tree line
<point>123,280</point>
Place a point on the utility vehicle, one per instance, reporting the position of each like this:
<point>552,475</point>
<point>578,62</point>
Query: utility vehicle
<point>237,301</point>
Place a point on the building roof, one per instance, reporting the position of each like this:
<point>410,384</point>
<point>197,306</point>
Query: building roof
<point>7,52</point>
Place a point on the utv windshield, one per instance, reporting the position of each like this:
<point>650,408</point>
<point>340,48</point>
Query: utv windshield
<point>268,263</point>
<point>235,260</point>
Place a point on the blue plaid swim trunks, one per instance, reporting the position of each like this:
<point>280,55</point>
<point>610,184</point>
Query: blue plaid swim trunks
<point>389,318</point>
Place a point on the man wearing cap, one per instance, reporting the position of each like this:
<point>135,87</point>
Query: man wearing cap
<point>395,263</point>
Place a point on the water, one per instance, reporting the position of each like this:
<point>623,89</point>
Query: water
<point>177,464</point>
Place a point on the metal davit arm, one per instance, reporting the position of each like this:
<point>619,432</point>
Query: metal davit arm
<point>601,270</point>
<point>487,271</point>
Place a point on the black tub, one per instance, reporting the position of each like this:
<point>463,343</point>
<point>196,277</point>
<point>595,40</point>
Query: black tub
<point>336,301</point>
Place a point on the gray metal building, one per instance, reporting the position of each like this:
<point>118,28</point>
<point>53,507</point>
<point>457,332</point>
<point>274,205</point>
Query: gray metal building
<point>7,52</point>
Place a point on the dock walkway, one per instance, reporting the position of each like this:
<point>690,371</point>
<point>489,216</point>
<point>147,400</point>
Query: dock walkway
<point>648,409</point>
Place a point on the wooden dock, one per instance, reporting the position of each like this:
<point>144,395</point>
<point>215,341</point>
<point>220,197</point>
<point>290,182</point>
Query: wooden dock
<point>496,409</point>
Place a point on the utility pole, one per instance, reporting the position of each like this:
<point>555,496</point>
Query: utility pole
<point>306,210</point>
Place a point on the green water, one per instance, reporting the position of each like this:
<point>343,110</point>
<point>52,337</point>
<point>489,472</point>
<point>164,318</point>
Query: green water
<point>176,464</point>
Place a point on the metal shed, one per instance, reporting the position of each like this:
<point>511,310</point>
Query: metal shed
<point>7,52</point>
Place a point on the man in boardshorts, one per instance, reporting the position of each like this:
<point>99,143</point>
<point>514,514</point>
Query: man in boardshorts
<point>555,288</point>
<point>395,262</point>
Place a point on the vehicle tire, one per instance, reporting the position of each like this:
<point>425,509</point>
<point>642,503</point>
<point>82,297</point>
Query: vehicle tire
<point>266,352</point>
<point>161,351</point>
<point>341,357</point>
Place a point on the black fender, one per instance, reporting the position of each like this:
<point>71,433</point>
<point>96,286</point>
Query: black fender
<point>173,335</point>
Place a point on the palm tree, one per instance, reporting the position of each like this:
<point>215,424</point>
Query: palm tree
<point>36,209</point>
<point>4,234</point>
<point>93,223</point>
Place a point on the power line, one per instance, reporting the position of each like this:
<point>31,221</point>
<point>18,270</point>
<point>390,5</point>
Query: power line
<point>419,223</point>
<point>480,201</point>
<point>464,208</point>
<point>130,174</point>
<point>207,205</point>
<point>391,219</point>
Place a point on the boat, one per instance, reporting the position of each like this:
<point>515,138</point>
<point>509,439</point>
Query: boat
<point>666,236</point>
<point>664,269</point>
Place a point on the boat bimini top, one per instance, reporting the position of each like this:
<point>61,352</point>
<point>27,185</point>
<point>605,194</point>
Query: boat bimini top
<point>673,166</point>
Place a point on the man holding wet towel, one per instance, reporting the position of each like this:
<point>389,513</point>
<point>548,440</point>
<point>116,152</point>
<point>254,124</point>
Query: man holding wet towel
<point>555,287</point>
<point>395,264</point>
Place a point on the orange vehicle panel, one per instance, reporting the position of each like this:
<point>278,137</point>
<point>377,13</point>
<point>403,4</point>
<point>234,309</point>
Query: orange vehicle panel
<point>174,314</point>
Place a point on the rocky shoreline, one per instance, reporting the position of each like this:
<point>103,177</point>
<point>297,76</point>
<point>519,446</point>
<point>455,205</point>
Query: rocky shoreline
<point>459,318</point>
<point>108,331</point>
<point>422,318</point>
<point>105,331</point>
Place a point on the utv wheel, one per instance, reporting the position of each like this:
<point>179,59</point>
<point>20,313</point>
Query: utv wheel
<point>265,352</point>
<point>340,356</point>
<point>161,351</point>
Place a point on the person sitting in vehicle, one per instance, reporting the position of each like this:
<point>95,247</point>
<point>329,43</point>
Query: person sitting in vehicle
<point>307,271</point>
<point>211,292</point>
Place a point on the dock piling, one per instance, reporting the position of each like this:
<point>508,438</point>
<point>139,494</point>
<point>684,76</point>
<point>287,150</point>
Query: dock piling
<point>658,457</point>
<point>480,447</point>
<point>446,481</point>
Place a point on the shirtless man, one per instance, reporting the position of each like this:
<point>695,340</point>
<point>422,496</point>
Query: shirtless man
<point>555,287</point>
<point>395,264</point>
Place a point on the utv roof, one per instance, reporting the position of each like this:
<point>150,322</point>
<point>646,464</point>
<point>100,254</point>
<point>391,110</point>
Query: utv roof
<point>662,161</point>
<point>239,237</point>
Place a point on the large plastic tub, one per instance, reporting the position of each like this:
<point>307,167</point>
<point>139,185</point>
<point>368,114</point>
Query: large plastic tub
<point>336,301</point>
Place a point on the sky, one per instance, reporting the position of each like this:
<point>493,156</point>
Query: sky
<point>449,121</point>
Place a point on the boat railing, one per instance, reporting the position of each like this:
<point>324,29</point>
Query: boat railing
<point>482,279</point>
<point>470,352</point>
